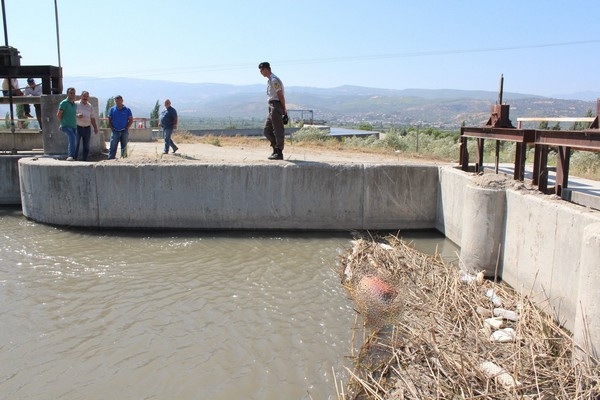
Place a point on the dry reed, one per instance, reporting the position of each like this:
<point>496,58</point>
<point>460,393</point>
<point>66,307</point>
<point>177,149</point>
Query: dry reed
<point>431,342</point>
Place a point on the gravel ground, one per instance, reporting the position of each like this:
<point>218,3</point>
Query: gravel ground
<point>255,151</point>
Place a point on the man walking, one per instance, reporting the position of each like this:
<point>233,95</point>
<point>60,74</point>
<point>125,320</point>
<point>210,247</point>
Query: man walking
<point>120,119</point>
<point>274,130</point>
<point>168,122</point>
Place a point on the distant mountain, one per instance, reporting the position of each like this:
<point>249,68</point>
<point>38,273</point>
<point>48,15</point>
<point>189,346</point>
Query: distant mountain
<point>444,108</point>
<point>586,96</point>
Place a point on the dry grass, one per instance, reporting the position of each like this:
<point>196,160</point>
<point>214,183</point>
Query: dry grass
<point>429,341</point>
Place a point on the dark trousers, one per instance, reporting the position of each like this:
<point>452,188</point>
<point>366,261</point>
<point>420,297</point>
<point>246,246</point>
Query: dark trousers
<point>83,135</point>
<point>38,114</point>
<point>274,129</point>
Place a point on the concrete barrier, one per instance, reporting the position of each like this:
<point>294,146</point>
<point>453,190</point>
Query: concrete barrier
<point>549,249</point>
<point>9,179</point>
<point>231,196</point>
<point>483,228</point>
<point>21,140</point>
<point>587,318</point>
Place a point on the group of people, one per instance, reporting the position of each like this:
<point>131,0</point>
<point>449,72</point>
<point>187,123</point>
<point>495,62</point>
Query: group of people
<point>11,87</point>
<point>76,119</point>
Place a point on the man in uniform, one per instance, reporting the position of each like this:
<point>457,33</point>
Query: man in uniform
<point>274,130</point>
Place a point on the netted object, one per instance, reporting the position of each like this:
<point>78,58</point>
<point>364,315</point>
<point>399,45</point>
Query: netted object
<point>429,339</point>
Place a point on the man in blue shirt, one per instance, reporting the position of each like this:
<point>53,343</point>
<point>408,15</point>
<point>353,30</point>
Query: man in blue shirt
<point>168,122</point>
<point>120,119</point>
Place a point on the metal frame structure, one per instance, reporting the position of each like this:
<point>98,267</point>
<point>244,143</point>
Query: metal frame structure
<point>500,129</point>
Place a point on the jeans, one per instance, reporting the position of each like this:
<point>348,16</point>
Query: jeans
<point>83,134</point>
<point>117,137</point>
<point>167,132</point>
<point>72,138</point>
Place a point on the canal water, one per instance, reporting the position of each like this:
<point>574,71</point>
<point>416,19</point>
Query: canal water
<point>178,315</point>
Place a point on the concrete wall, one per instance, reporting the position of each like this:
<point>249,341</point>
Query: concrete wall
<point>286,196</point>
<point>21,140</point>
<point>547,249</point>
<point>10,193</point>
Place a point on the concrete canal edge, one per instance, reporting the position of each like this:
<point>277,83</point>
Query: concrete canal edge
<point>538,244</point>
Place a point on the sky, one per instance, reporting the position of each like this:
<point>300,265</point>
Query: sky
<point>540,47</point>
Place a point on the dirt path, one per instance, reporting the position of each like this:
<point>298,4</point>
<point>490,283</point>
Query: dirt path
<point>255,151</point>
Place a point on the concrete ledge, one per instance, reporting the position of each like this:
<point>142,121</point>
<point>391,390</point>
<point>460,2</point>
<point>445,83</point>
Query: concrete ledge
<point>579,197</point>
<point>9,179</point>
<point>20,100</point>
<point>229,196</point>
<point>22,140</point>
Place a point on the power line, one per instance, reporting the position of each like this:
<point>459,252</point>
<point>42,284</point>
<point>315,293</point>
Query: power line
<point>327,60</point>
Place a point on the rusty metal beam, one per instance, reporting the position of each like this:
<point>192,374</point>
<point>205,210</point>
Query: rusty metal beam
<point>584,140</point>
<point>562,168</point>
<point>50,75</point>
<point>506,134</point>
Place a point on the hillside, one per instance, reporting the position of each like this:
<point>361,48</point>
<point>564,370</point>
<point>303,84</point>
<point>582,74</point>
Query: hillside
<point>344,105</point>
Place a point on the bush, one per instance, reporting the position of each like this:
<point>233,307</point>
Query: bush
<point>311,134</point>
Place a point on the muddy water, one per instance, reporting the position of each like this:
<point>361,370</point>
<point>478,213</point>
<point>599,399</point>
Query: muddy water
<point>181,315</point>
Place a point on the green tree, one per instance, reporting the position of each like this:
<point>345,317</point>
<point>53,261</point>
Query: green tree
<point>556,127</point>
<point>579,126</point>
<point>154,115</point>
<point>109,104</point>
<point>365,126</point>
<point>21,115</point>
<point>543,125</point>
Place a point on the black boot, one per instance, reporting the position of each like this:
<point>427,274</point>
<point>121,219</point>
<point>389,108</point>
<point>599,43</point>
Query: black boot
<point>277,155</point>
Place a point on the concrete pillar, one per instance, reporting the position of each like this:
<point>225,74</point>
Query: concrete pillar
<point>483,219</point>
<point>55,142</point>
<point>586,331</point>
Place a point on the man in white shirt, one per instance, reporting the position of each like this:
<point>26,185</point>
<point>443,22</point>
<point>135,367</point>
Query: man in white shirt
<point>33,90</point>
<point>86,119</point>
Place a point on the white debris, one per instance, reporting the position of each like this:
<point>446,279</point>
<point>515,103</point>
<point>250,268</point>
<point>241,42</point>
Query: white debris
<point>504,335</point>
<point>385,246</point>
<point>506,314</point>
<point>499,374</point>
<point>493,323</point>
<point>495,299</point>
<point>466,277</point>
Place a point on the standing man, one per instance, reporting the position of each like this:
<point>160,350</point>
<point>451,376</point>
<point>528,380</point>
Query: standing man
<point>168,122</point>
<point>85,120</point>
<point>11,85</point>
<point>274,130</point>
<point>120,119</point>
<point>67,110</point>
<point>33,90</point>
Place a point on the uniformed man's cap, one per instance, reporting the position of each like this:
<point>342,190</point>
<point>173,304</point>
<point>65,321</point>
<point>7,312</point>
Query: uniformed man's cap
<point>264,65</point>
